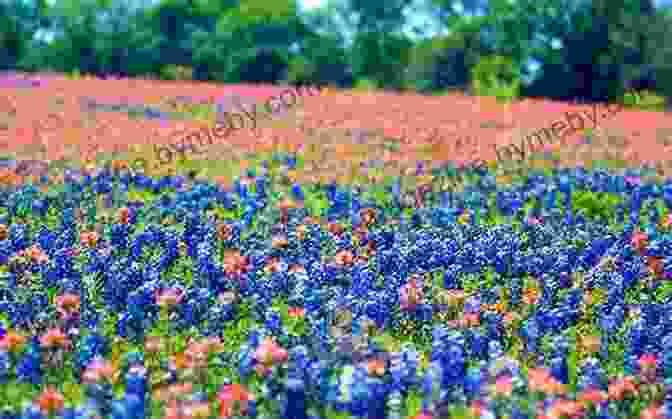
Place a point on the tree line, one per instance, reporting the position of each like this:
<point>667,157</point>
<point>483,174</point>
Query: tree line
<point>564,49</point>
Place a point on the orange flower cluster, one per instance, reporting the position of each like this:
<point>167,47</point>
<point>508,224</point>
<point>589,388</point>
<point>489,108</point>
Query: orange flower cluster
<point>67,305</point>
<point>234,264</point>
<point>232,396</point>
<point>88,239</point>
<point>34,254</point>
<point>54,339</point>
<point>12,342</point>
<point>9,178</point>
<point>540,379</point>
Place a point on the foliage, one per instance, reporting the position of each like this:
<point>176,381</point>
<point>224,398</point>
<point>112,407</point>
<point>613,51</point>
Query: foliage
<point>645,100</point>
<point>496,76</point>
<point>181,290</point>
<point>442,63</point>
<point>584,49</point>
<point>366,84</point>
<point>597,206</point>
<point>177,72</point>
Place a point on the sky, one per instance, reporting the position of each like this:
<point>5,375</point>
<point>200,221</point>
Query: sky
<point>311,4</point>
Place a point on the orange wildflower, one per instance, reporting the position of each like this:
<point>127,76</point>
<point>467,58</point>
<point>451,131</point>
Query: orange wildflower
<point>344,258</point>
<point>530,296</point>
<point>376,367</point>
<point>617,390</point>
<point>335,228</point>
<point>591,343</point>
<point>279,242</point>
<point>180,360</point>
<point>368,216</point>
<point>12,342</point>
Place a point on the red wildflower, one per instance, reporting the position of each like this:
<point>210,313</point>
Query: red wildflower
<point>50,401</point>
<point>88,239</point>
<point>224,231</point>
<point>301,231</point>
<point>655,265</point>
<point>667,221</point>
<point>410,295</point>
<point>99,369</point>
<point>639,241</point>
<point>297,268</point>
<point>652,412</point>
<point>173,392</point>
<point>344,258</point>
<point>503,386</point>
<point>124,215</point>
<point>376,367</point>
<point>592,396</point>
<point>335,228</point>
<point>270,352</point>
<point>230,396</point>
<point>617,390</point>
<point>272,265</point>
<point>153,344</point>
<point>67,304</point>
<point>647,364</point>
<point>296,312</point>
<point>565,409</point>
<point>476,408</point>
<point>285,205</point>
<point>234,264</point>
<point>35,254</point>
<point>54,338</point>
<point>368,216</point>
<point>279,242</point>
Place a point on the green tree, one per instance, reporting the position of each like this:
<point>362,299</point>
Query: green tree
<point>19,23</point>
<point>252,41</point>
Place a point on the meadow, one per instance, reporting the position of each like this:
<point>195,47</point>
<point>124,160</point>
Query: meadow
<point>344,259</point>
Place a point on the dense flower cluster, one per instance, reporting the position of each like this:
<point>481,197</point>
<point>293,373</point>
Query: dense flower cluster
<point>321,301</point>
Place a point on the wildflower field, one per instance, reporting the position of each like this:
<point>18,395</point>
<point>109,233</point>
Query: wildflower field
<point>341,259</point>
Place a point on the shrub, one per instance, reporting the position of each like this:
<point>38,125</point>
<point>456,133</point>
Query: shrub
<point>300,70</point>
<point>75,74</point>
<point>177,72</point>
<point>644,100</point>
<point>496,76</point>
<point>366,85</point>
<point>596,206</point>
